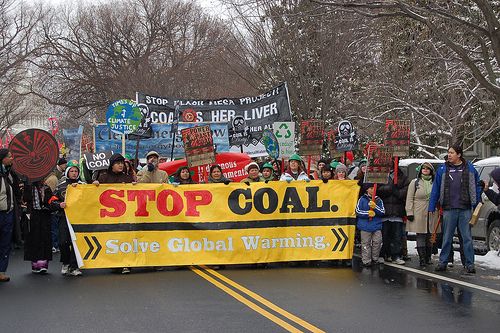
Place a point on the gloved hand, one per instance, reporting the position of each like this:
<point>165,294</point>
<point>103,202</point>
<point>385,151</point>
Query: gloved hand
<point>372,204</point>
<point>248,183</point>
<point>151,167</point>
<point>410,218</point>
<point>288,180</point>
<point>227,182</point>
<point>266,181</point>
<point>308,180</point>
<point>325,180</point>
<point>371,213</point>
<point>482,184</point>
<point>175,184</point>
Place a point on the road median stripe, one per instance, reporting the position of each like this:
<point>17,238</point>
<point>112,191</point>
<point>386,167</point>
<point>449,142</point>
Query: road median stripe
<point>264,301</point>
<point>245,301</point>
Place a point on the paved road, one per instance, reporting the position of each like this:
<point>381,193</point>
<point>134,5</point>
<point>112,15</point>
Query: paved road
<point>248,299</point>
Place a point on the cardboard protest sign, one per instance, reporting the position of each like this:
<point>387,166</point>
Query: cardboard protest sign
<point>379,164</point>
<point>98,161</point>
<point>198,145</point>
<point>311,137</point>
<point>123,116</point>
<point>397,136</point>
<point>285,134</point>
<point>345,138</point>
<point>35,153</point>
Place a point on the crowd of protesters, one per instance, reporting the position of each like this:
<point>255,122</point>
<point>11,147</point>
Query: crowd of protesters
<point>447,194</point>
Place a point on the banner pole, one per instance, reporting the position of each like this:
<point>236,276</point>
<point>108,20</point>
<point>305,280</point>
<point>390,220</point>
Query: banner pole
<point>309,158</point>
<point>123,144</point>
<point>373,197</point>
<point>174,128</point>
<point>396,165</point>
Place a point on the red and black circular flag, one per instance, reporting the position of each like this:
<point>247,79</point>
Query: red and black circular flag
<point>35,154</point>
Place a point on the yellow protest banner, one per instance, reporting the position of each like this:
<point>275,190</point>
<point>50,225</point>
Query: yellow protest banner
<point>125,225</point>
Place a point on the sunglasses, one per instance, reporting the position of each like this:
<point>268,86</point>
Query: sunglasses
<point>426,168</point>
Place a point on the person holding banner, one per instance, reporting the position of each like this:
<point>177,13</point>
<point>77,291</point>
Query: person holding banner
<point>10,197</point>
<point>115,175</point>
<point>151,173</point>
<point>183,176</point>
<point>394,198</point>
<point>369,213</point>
<point>216,175</point>
<point>457,189</point>
<point>326,173</point>
<point>277,168</point>
<point>252,169</point>
<point>267,171</point>
<point>420,221</point>
<point>340,172</point>
<point>38,245</point>
<point>58,203</point>
<point>295,170</point>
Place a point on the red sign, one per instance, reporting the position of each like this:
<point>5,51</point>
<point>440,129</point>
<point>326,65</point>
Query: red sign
<point>232,165</point>
<point>397,136</point>
<point>379,164</point>
<point>53,125</point>
<point>198,145</point>
<point>311,137</point>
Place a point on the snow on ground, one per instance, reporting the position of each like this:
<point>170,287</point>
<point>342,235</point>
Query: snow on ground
<point>490,260</point>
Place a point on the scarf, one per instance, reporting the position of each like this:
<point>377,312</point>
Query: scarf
<point>427,185</point>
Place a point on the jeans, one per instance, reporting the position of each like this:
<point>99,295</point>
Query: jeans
<point>452,219</point>
<point>6,226</point>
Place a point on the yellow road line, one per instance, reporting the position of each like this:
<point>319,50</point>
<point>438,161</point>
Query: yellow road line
<point>264,301</point>
<point>245,301</point>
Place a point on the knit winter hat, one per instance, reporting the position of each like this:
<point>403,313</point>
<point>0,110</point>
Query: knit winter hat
<point>72,164</point>
<point>495,174</point>
<point>61,161</point>
<point>341,168</point>
<point>251,165</point>
<point>334,164</point>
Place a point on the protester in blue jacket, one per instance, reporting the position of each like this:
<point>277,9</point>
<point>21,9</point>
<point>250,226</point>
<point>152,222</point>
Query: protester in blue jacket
<point>369,214</point>
<point>457,189</point>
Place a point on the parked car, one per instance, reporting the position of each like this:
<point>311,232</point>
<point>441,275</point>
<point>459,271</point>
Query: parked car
<point>487,228</point>
<point>409,165</point>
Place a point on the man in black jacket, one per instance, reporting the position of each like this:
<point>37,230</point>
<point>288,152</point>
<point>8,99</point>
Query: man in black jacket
<point>394,198</point>
<point>9,199</point>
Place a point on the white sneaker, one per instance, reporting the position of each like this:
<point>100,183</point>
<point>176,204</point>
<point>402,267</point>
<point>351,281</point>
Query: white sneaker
<point>399,261</point>
<point>75,272</point>
<point>125,270</point>
<point>64,269</point>
<point>450,264</point>
<point>380,260</point>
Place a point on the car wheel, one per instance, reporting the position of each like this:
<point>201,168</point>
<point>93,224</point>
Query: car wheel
<point>494,236</point>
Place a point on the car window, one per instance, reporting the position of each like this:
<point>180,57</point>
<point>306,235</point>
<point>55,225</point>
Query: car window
<point>485,173</point>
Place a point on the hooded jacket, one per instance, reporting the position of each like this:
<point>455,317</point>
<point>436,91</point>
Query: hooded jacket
<point>394,195</point>
<point>109,177</point>
<point>363,220</point>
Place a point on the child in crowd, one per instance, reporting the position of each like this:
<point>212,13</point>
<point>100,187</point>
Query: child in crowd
<point>369,211</point>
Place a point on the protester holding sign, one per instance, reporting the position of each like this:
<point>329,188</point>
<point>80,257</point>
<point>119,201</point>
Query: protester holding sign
<point>38,242</point>
<point>58,203</point>
<point>252,170</point>
<point>456,188</point>
<point>151,173</point>
<point>394,198</point>
<point>10,198</point>
<point>295,170</point>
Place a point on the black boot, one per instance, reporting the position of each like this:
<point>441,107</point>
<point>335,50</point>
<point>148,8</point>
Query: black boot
<point>428,255</point>
<point>421,255</point>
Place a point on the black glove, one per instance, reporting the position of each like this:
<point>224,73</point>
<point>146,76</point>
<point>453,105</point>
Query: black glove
<point>248,183</point>
<point>482,184</point>
<point>151,167</point>
<point>227,182</point>
<point>325,180</point>
<point>410,218</point>
<point>267,181</point>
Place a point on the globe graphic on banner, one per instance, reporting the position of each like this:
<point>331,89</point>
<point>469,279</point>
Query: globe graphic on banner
<point>123,116</point>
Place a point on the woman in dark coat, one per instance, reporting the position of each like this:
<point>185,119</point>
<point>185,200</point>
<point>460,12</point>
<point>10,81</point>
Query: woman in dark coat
<point>38,241</point>
<point>183,176</point>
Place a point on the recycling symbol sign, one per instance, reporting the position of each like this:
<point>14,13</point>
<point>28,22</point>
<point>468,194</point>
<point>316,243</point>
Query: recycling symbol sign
<point>285,135</point>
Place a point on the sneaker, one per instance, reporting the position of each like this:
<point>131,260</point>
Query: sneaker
<point>35,270</point>
<point>440,268</point>
<point>388,259</point>
<point>380,260</point>
<point>125,270</point>
<point>450,264</point>
<point>367,264</point>
<point>4,278</point>
<point>159,268</point>
<point>471,269</point>
<point>43,270</point>
<point>399,261</point>
<point>55,250</point>
<point>64,269</point>
<point>76,272</point>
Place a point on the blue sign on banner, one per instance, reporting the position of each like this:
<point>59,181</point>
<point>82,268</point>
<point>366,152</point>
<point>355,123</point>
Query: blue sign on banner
<point>161,140</point>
